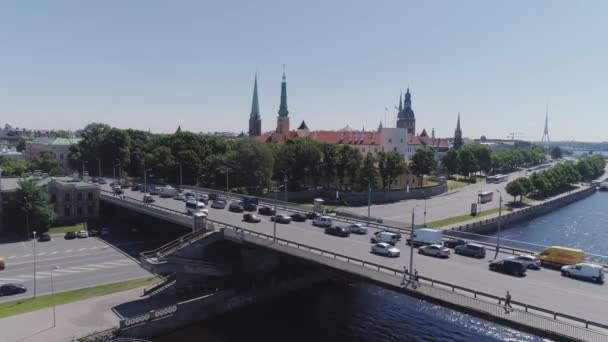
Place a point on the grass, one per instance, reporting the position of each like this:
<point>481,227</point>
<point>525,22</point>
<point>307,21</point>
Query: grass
<point>20,306</point>
<point>65,229</point>
<point>454,184</point>
<point>462,218</point>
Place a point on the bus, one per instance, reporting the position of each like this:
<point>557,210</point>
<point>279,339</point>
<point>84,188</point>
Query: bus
<point>194,207</point>
<point>485,197</point>
<point>497,178</point>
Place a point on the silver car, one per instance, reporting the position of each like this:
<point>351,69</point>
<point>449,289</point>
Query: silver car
<point>357,228</point>
<point>530,261</point>
<point>434,250</point>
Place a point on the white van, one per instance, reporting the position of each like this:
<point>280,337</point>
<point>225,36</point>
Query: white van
<point>194,207</point>
<point>586,271</point>
<point>426,236</point>
<point>323,221</point>
<point>387,237</point>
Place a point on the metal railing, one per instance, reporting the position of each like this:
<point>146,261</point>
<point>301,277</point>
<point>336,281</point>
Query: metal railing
<point>167,281</point>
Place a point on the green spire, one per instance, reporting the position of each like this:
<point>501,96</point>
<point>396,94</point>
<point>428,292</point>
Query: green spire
<point>255,104</point>
<point>283,108</point>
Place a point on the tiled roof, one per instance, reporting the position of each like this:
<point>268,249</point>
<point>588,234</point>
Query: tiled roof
<point>347,137</point>
<point>55,141</point>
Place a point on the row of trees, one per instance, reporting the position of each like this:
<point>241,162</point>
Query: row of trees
<point>473,158</point>
<point>557,179</point>
<point>45,163</point>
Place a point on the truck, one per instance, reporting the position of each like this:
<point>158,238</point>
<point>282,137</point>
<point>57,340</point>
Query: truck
<point>485,197</point>
<point>558,256</point>
<point>425,236</point>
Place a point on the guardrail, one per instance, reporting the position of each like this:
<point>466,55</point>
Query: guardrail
<point>166,281</point>
<point>554,316</point>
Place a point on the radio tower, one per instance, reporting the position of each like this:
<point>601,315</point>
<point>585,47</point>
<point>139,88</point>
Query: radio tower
<point>545,139</point>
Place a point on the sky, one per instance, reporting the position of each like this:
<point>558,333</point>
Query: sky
<point>154,65</point>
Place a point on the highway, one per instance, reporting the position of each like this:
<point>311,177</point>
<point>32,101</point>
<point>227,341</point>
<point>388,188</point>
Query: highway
<point>544,288</point>
<point>82,263</point>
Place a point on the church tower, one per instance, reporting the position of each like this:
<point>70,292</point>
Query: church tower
<point>406,118</point>
<point>255,120</point>
<point>458,135</point>
<point>283,119</point>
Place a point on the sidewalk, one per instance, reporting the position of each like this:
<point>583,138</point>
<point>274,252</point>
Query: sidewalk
<point>73,320</point>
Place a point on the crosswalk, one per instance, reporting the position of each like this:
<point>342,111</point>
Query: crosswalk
<point>69,270</point>
<point>29,255</point>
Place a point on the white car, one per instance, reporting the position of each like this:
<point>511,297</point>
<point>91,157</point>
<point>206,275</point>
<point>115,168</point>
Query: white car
<point>180,197</point>
<point>585,271</point>
<point>357,228</point>
<point>530,261</point>
<point>385,249</point>
<point>434,250</point>
<point>323,221</point>
<point>82,234</point>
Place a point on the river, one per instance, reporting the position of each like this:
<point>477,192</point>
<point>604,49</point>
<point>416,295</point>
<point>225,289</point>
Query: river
<point>369,313</point>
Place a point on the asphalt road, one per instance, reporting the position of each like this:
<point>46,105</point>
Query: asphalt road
<point>82,263</point>
<point>544,288</point>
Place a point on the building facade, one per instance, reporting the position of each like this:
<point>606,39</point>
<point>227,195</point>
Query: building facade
<point>406,118</point>
<point>73,200</point>
<point>59,147</point>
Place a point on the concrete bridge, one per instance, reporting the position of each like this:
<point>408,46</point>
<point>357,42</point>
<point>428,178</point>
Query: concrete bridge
<point>544,301</point>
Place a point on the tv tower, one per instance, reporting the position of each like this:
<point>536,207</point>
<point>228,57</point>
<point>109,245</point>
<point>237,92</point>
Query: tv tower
<point>545,139</point>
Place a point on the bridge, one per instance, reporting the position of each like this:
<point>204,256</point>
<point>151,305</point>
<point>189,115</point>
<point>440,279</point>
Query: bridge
<point>544,300</point>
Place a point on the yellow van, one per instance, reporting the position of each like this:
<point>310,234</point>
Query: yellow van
<point>2,264</point>
<point>560,256</point>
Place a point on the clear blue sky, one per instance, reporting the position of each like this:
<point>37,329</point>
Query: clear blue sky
<point>156,64</point>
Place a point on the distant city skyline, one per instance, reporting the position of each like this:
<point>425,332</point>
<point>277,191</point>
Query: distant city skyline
<point>153,65</point>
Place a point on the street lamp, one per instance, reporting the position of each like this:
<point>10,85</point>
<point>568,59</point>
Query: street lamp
<point>99,167</point>
<point>499,219</point>
<point>285,187</point>
<point>425,213</point>
<point>53,295</point>
<point>369,200</point>
<point>27,228</point>
<point>119,168</point>
<point>180,176</point>
<point>274,228</point>
<point>145,180</point>
<point>412,241</point>
<point>84,162</point>
<point>114,171</point>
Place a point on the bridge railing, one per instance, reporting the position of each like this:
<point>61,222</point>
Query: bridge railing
<point>569,322</point>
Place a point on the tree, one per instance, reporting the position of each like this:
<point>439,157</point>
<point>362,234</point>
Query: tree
<point>390,166</point>
<point>45,162</point>
<point>516,188</point>
<point>15,167</point>
<point>329,157</point>
<point>468,162</point>
<point>368,172</point>
<point>252,164</point>
<point>34,204</point>
<point>423,163</point>
<point>451,161</point>
<point>556,153</point>
<point>20,145</point>
<point>348,163</point>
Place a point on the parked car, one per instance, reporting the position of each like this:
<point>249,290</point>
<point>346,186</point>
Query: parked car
<point>136,187</point>
<point>69,235</point>
<point>298,217</point>
<point>105,231</point>
<point>268,211</point>
<point>11,289</point>
<point>218,204</point>
<point>251,218</point>
<point>383,248</point>
<point>338,231</point>
<point>312,215</point>
<point>148,199</point>
<point>386,237</point>
<point>101,181</point>
<point>471,249</point>
<point>93,232</point>
<point>586,271</point>
<point>323,221</point>
<point>117,190</point>
<point>82,234</point>
<point>236,207</point>
<point>44,237</point>
<point>453,243</point>
<point>180,197</point>
<point>507,266</point>
<point>434,250</point>
<point>398,234</point>
<point>213,196</point>
<point>281,218</point>
<point>357,228</point>
<point>530,261</point>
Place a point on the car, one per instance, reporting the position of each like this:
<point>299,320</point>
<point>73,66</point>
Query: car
<point>180,197</point>
<point>268,211</point>
<point>251,218</point>
<point>69,235</point>
<point>312,215</point>
<point>101,181</point>
<point>105,231</point>
<point>585,271</point>
<point>213,196</point>
<point>236,207</point>
<point>136,187</point>
<point>389,231</point>
<point>453,243</point>
<point>114,183</point>
<point>357,228</point>
<point>323,221</point>
<point>298,217</point>
<point>507,266</point>
<point>386,237</point>
<point>338,231</point>
<point>148,199</point>
<point>471,249</point>
<point>82,234</point>
<point>155,190</point>
<point>434,250</point>
<point>530,261</point>
<point>11,289</point>
<point>117,190</point>
<point>383,248</point>
<point>281,218</point>
<point>44,237</point>
<point>125,185</point>
<point>250,206</point>
<point>218,204</point>
<point>93,232</point>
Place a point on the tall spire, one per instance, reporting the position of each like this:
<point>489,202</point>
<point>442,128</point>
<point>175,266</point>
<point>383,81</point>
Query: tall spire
<point>458,122</point>
<point>255,104</point>
<point>401,101</point>
<point>283,107</point>
<point>458,142</point>
<point>545,139</point>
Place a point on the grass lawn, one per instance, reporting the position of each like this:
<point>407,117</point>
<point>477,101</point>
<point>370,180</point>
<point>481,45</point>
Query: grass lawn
<point>28,304</point>
<point>454,184</point>
<point>65,229</point>
<point>462,218</point>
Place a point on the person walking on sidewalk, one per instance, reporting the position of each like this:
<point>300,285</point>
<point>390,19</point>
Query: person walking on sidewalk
<point>508,303</point>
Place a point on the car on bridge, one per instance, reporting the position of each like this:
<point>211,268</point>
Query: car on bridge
<point>530,261</point>
<point>398,234</point>
<point>357,228</point>
<point>453,243</point>
<point>434,250</point>
<point>117,190</point>
<point>585,271</point>
<point>218,204</point>
<point>180,197</point>
<point>83,234</point>
<point>11,289</point>
<point>338,231</point>
<point>383,248</point>
<point>281,218</point>
<point>323,221</point>
<point>136,187</point>
<point>44,237</point>
<point>148,199</point>
<point>512,267</point>
<point>251,218</point>
<point>69,235</point>
<point>471,249</point>
<point>298,217</point>
<point>101,181</point>
<point>387,237</point>
<point>236,207</point>
<point>268,211</point>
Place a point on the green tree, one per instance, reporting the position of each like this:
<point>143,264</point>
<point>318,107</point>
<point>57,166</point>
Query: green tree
<point>368,173</point>
<point>451,161</point>
<point>390,166</point>
<point>34,204</point>
<point>45,162</point>
<point>15,168</point>
<point>468,162</point>
<point>252,164</point>
<point>348,163</point>
<point>516,188</point>
<point>20,145</point>
<point>423,163</point>
<point>329,159</point>
<point>556,152</point>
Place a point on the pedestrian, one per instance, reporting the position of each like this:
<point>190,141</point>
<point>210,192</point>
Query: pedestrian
<point>405,274</point>
<point>508,303</point>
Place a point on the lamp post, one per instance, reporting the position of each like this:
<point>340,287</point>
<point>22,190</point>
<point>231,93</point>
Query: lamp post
<point>84,162</point>
<point>114,171</point>
<point>53,295</point>
<point>285,187</point>
<point>369,201</point>
<point>498,222</point>
<point>412,242</point>
<point>425,213</point>
<point>180,176</point>
<point>119,168</point>
<point>99,167</point>
<point>27,227</point>
<point>274,220</point>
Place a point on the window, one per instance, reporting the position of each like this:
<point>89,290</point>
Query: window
<point>67,197</point>
<point>66,211</point>
<point>394,149</point>
<point>53,198</point>
<point>79,211</point>
<point>402,140</point>
<point>90,210</point>
<point>376,150</point>
<point>79,196</point>
<point>90,196</point>
<point>390,140</point>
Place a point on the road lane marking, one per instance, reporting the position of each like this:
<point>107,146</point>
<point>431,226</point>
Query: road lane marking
<point>82,268</point>
<point>68,251</point>
<point>27,255</point>
<point>112,263</point>
<point>68,271</point>
<point>82,249</point>
<point>44,273</point>
<point>12,257</point>
<point>94,247</point>
<point>10,279</point>
<point>101,266</point>
<point>55,252</point>
<point>41,254</point>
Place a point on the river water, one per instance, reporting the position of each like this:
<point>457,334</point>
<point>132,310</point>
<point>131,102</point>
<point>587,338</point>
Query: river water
<point>369,313</point>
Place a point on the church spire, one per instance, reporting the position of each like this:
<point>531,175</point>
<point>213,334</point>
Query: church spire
<point>401,101</point>
<point>458,122</point>
<point>255,104</point>
<point>458,142</point>
<point>283,107</point>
